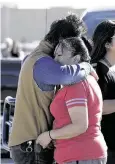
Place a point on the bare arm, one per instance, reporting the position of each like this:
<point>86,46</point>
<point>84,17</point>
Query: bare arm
<point>79,124</point>
<point>76,104</point>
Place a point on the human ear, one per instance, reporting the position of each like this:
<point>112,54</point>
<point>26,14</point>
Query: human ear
<point>107,45</point>
<point>77,58</point>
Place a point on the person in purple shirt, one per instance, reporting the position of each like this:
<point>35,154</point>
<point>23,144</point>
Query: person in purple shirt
<point>47,72</point>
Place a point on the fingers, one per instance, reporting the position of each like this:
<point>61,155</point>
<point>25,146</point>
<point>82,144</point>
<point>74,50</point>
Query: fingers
<point>40,143</point>
<point>44,147</point>
<point>37,141</point>
<point>94,74</point>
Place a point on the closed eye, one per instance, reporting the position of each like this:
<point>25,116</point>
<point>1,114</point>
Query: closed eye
<point>59,55</point>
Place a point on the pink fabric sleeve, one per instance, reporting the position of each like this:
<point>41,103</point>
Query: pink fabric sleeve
<point>76,95</point>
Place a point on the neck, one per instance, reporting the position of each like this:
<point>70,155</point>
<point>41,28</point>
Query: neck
<point>111,58</point>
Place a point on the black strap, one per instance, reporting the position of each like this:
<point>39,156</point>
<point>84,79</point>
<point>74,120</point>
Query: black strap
<point>107,62</point>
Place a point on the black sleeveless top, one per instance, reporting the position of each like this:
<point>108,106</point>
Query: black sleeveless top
<point>107,84</point>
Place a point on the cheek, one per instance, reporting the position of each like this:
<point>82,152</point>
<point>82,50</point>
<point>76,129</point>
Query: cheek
<point>65,61</point>
<point>113,42</point>
<point>113,47</point>
<point>59,59</point>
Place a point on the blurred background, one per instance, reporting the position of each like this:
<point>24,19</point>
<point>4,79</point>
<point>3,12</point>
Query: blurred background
<point>27,24</point>
<point>24,23</point>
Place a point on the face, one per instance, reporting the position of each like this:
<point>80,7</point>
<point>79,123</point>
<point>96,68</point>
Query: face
<point>64,56</point>
<point>112,46</point>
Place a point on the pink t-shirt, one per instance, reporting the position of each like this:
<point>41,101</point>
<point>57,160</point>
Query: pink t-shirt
<point>91,144</point>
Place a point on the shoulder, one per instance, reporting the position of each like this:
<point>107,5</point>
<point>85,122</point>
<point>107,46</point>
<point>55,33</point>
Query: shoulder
<point>81,87</point>
<point>102,64</point>
<point>102,68</point>
<point>43,59</point>
<point>84,87</point>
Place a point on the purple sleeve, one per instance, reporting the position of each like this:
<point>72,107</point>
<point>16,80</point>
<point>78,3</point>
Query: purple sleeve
<point>48,71</point>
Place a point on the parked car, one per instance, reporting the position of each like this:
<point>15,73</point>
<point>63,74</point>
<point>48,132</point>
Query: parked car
<point>92,17</point>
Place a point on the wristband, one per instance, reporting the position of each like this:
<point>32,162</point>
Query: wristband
<point>50,135</point>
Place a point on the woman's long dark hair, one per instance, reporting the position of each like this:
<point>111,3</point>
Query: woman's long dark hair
<point>103,34</point>
<point>88,44</point>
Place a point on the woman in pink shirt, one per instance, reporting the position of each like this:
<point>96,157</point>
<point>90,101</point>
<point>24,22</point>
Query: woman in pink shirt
<point>77,111</point>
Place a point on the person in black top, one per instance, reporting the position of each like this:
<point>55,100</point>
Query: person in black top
<point>103,58</point>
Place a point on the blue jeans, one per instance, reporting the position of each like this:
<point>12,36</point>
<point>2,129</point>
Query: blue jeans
<point>37,156</point>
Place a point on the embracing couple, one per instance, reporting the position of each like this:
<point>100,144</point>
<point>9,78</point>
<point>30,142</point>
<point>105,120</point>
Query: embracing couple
<point>59,104</point>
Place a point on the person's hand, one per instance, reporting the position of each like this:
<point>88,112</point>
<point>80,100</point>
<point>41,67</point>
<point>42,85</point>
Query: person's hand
<point>94,74</point>
<point>43,139</point>
<point>89,69</point>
